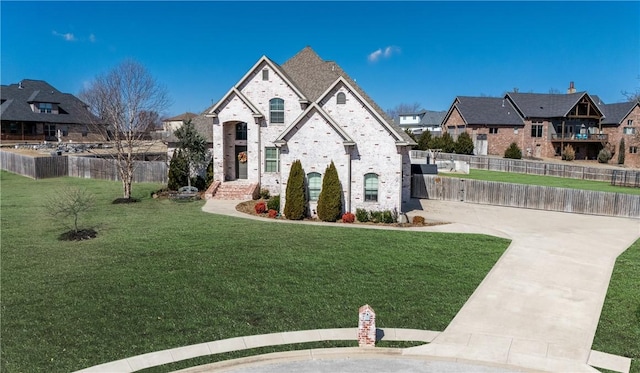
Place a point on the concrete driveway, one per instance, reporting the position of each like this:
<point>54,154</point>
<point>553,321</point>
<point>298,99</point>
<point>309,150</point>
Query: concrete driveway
<point>539,306</point>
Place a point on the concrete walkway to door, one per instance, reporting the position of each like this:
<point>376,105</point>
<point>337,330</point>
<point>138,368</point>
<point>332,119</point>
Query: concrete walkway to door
<point>539,306</point>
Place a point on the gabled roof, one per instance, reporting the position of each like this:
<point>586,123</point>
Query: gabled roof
<point>615,113</point>
<point>202,124</point>
<point>314,107</point>
<point>213,111</point>
<point>181,117</point>
<point>315,76</point>
<point>16,100</point>
<point>263,60</point>
<point>432,118</point>
<point>541,105</point>
<point>486,111</point>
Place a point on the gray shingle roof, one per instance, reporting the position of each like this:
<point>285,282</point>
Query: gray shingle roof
<point>16,104</point>
<point>432,118</point>
<point>544,105</point>
<point>183,116</point>
<point>615,113</point>
<point>488,111</point>
<point>313,76</point>
<point>202,124</point>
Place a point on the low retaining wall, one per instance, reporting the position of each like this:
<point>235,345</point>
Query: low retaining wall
<point>525,196</point>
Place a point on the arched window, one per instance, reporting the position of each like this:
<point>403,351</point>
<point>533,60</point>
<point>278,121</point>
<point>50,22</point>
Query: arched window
<point>341,98</point>
<point>314,184</point>
<point>276,110</point>
<point>241,131</point>
<point>371,188</point>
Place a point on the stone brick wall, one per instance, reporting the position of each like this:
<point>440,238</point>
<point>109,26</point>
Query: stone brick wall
<point>617,133</point>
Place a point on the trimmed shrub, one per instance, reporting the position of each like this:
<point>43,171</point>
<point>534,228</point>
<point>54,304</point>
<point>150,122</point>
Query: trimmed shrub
<point>362,215</point>
<point>387,217</point>
<point>261,207</point>
<point>569,154</point>
<point>464,144</point>
<point>375,216</point>
<point>621,149</point>
<point>178,171</point>
<point>296,199</point>
<point>418,220</point>
<point>448,145</point>
<point>604,155</point>
<point>330,198</point>
<point>209,175</point>
<point>274,203</point>
<point>198,182</point>
<point>264,193</point>
<point>513,151</point>
<point>348,217</point>
<point>273,213</point>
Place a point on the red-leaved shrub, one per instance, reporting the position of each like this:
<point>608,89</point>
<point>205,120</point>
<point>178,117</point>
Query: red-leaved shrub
<point>348,217</point>
<point>273,213</point>
<point>261,207</point>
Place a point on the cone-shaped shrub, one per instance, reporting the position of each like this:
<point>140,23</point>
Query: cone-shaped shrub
<point>330,198</point>
<point>621,150</point>
<point>296,199</point>
<point>209,177</point>
<point>178,171</point>
<point>513,151</point>
<point>424,140</point>
<point>448,145</point>
<point>464,144</point>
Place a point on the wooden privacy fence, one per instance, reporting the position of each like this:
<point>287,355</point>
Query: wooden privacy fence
<point>91,168</point>
<point>540,168</point>
<point>525,196</point>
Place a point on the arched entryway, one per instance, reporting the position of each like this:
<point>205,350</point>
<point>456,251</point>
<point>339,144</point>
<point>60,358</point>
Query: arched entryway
<point>236,152</point>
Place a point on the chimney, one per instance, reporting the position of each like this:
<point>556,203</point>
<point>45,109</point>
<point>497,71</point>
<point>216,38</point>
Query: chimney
<point>572,88</point>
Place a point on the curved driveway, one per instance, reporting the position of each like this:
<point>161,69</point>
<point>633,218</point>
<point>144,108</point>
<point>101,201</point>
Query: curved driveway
<point>539,307</point>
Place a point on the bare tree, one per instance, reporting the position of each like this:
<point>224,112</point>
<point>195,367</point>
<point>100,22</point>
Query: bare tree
<point>67,205</point>
<point>123,99</point>
<point>403,109</point>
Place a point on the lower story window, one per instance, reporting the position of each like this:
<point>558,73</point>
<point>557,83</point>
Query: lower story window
<point>633,149</point>
<point>271,161</point>
<point>371,188</point>
<point>493,130</point>
<point>50,130</point>
<point>314,183</point>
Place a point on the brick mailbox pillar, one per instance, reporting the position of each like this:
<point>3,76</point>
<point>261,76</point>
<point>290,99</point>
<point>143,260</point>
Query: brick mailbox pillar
<point>366,327</point>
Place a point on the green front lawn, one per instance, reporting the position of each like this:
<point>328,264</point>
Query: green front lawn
<point>550,181</point>
<point>619,328</point>
<point>162,274</point>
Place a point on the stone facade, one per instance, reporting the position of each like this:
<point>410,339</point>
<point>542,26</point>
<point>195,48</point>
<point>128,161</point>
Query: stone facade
<point>354,135</point>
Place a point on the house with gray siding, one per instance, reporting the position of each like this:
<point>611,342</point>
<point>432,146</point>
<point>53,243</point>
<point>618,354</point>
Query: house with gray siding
<point>308,109</point>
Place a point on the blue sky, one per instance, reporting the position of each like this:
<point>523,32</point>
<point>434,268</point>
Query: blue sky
<point>422,52</point>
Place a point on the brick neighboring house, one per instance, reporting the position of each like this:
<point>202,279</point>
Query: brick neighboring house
<point>33,110</point>
<point>309,109</point>
<point>543,124</point>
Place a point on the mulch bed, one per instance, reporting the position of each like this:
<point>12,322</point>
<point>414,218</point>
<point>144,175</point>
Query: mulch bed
<point>248,207</point>
<point>79,235</point>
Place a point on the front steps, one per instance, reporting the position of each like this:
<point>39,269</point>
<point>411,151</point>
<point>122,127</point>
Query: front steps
<point>233,190</point>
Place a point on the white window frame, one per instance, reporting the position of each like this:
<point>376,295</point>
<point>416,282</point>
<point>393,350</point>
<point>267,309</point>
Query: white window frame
<point>45,107</point>
<point>629,130</point>
<point>276,112</point>
<point>370,189</point>
<point>315,192</point>
<point>269,162</point>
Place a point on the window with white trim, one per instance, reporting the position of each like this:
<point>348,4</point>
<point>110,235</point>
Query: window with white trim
<point>271,159</point>
<point>629,122</point>
<point>371,187</point>
<point>633,150</point>
<point>45,107</point>
<point>493,130</point>
<point>276,110</point>
<point>629,130</point>
<point>314,184</point>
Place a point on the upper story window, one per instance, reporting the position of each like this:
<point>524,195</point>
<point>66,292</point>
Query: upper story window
<point>629,122</point>
<point>371,188</point>
<point>493,130</point>
<point>276,110</point>
<point>341,98</point>
<point>265,74</point>
<point>629,130</point>
<point>241,131</point>
<point>536,130</point>
<point>314,184</point>
<point>45,107</point>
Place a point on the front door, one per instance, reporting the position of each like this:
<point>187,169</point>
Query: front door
<point>241,162</point>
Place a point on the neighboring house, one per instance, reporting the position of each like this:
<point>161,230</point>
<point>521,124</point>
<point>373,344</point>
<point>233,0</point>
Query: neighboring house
<point>543,124</point>
<point>171,124</point>
<point>202,124</point>
<point>33,110</point>
<point>310,110</point>
<point>421,121</point>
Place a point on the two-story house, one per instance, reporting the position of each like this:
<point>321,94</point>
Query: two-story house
<point>423,120</point>
<point>33,110</point>
<point>309,109</point>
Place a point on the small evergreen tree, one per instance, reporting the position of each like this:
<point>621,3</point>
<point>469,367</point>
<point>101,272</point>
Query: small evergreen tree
<point>448,145</point>
<point>621,150</point>
<point>436,143</point>
<point>424,140</point>
<point>330,198</point>
<point>296,199</point>
<point>209,176</point>
<point>604,155</point>
<point>193,146</point>
<point>408,132</point>
<point>513,151</point>
<point>178,171</point>
<point>464,144</point>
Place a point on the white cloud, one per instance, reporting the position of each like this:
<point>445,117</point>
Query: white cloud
<point>68,36</point>
<point>387,52</point>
